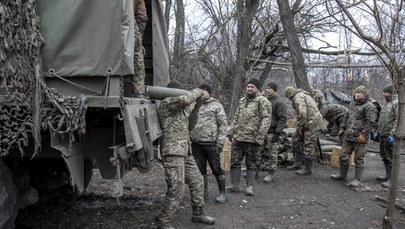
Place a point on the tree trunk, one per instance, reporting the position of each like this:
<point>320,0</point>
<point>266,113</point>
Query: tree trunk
<point>168,7</point>
<point>178,45</point>
<point>294,45</point>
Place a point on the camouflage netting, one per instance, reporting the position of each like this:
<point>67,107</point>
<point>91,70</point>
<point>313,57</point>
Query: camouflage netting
<point>20,42</point>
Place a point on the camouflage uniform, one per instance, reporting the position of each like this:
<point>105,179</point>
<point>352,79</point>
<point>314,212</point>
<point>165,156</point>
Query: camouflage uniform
<point>358,121</point>
<point>141,19</point>
<point>309,121</point>
<point>317,95</point>
<point>334,114</point>
<point>278,123</point>
<point>177,120</point>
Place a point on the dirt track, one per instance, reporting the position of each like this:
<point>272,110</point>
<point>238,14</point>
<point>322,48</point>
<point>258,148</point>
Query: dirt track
<point>289,202</point>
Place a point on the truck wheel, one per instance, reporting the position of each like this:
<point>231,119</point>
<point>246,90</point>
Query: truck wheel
<point>8,197</point>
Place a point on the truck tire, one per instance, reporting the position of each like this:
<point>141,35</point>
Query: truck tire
<point>8,197</point>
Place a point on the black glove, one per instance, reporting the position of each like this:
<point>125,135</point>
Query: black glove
<point>275,138</point>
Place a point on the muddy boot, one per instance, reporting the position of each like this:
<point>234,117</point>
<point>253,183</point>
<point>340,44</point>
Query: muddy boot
<point>205,187</point>
<point>387,173</point>
<point>269,177</point>
<point>307,170</point>
<point>343,173</point>
<point>250,175</point>
<point>221,198</point>
<point>235,179</point>
<point>358,172</point>
<point>200,217</point>
<point>386,184</point>
<point>299,158</point>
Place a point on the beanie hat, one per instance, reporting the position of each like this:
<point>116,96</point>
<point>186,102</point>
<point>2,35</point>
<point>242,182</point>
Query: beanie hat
<point>255,82</point>
<point>389,89</point>
<point>206,87</point>
<point>361,89</point>
<point>175,84</point>
<point>273,86</point>
<point>289,91</point>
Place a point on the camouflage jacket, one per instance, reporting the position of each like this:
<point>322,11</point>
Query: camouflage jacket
<point>251,120</point>
<point>333,113</point>
<point>141,15</point>
<point>317,95</point>
<point>278,114</point>
<point>176,121</point>
<point>388,119</point>
<point>360,119</point>
<point>308,115</point>
<point>212,124</point>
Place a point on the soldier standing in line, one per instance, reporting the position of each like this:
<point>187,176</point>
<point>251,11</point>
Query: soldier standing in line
<point>357,125</point>
<point>334,114</point>
<point>278,123</point>
<point>141,18</point>
<point>208,138</point>
<point>387,123</point>
<point>177,117</point>
<point>248,131</point>
<point>309,124</point>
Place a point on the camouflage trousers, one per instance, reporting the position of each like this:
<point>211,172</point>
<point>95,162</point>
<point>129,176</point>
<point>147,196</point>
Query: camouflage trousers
<point>305,144</point>
<point>180,170</point>
<point>244,150</point>
<point>139,65</point>
<point>267,156</point>
<point>348,148</point>
<point>386,151</point>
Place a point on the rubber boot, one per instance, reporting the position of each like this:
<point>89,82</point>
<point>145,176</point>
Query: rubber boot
<point>343,173</point>
<point>307,170</point>
<point>386,184</point>
<point>200,217</point>
<point>235,179</point>
<point>356,182</point>
<point>221,198</point>
<point>387,173</point>
<point>250,176</point>
<point>299,158</point>
<point>269,177</point>
<point>205,187</point>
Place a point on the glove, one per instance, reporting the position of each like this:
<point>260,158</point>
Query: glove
<point>361,139</point>
<point>375,136</point>
<point>229,138</point>
<point>299,133</point>
<point>341,131</point>
<point>275,138</point>
<point>200,101</point>
<point>390,140</point>
<point>220,147</point>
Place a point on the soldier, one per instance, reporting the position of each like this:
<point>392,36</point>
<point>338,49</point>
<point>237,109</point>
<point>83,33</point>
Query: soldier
<point>278,123</point>
<point>208,138</point>
<point>387,123</point>
<point>334,114</point>
<point>177,119</point>
<point>250,124</point>
<point>317,95</point>
<point>309,124</point>
<point>141,18</point>
<point>357,126</point>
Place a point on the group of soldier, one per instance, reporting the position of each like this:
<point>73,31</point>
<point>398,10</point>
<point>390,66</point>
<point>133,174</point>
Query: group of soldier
<point>194,129</point>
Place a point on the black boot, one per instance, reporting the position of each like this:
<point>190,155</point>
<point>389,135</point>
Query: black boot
<point>387,173</point>
<point>205,187</point>
<point>356,182</point>
<point>269,177</point>
<point>200,217</point>
<point>250,175</point>
<point>344,168</point>
<point>299,158</point>
<point>221,198</point>
<point>307,170</point>
<point>235,179</point>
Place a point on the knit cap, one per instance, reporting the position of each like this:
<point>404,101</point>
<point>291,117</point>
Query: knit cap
<point>206,87</point>
<point>289,91</point>
<point>273,86</point>
<point>255,82</point>
<point>361,89</point>
<point>389,89</point>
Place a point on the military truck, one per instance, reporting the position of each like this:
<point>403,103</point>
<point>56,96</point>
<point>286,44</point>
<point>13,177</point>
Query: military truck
<point>66,105</point>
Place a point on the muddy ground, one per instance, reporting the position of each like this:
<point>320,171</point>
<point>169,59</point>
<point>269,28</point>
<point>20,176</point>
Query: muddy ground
<point>289,202</point>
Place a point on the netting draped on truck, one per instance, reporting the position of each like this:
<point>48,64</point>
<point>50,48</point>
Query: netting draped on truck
<point>28,106</point>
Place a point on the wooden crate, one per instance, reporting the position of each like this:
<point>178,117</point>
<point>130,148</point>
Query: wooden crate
<point>335,161</point>
<point>226,156</point>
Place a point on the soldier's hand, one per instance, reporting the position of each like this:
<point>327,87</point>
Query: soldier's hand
<point>229,137</point>
<point>341,131</point>
<point>390,140</point>
<point>200,101</point>
<point>220,147</point>
<point>362,139</point>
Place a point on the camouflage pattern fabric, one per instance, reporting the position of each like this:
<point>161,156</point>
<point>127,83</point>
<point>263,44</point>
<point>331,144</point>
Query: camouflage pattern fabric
<point>348,148</point>
<point>334,114</point>
<point>309,118</point>
<point>180,170</point>
<point>139,65</point>
<point>240,150</point>
<point>317,95</point>
<point>305,144</point>
<point>252,120</point>
<point>176,120</point>
<point>360,119</point>
<point>267,159</point>
<point>278,114</point>
<point>212,124</point>
<point>388,120</point>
